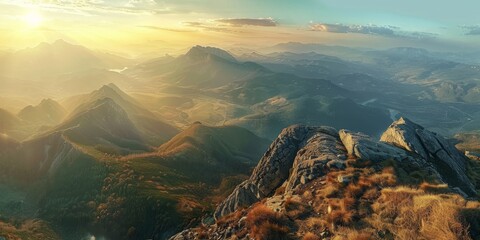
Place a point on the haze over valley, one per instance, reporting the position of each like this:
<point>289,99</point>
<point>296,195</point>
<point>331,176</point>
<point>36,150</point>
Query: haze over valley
<point>218,124</point>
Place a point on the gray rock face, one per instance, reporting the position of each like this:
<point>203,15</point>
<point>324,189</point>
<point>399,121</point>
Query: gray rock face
<point>448,161</point>
<point>301,154</point>
<point>362,146</point>
<point>306,148</point>
<point>316,154</point>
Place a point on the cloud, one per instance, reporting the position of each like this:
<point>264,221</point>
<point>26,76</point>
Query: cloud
<point>164,29</point>
<point>238,22</point>
<point>471,29</point>
<point>209,26</point>
<point>370,29</point>
<point>342,28</point>
<point>88,7</point>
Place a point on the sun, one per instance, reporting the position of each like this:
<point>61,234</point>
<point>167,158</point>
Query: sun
<point>33,19</point>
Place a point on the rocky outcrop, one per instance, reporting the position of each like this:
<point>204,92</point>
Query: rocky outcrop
<point>305,155</point>
<point>298,155</point>
<point>302,155</point>
<point>361,146</point>
<point>321,151</point>
<point>449,162</point>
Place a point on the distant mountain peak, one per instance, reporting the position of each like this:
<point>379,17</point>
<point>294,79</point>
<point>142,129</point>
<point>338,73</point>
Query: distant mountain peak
<point>200,52</point>
<point>48,111</point>
<point>109,88</point>
<point>59,43</point>
<point>113,86</point>
<point>48,101</point>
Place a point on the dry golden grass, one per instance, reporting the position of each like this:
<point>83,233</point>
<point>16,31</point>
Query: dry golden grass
<point>371,194</point>
<point>340,217</point>
<point>265,224</point>
<point>316,223</point>
<point>434,188</point>
<point>353,190</point>
<point>296,209</point>
<point>271,231</point>
<point>412,214</point>
<point>371,205</point>
<point>311,236</point>
<point>328,191</point>
<point>30,229</point>
<point>201,233</point>
<point>354,235</point>
<point>230,219</point>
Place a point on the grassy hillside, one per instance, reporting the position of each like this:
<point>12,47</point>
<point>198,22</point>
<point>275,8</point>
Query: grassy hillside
<point>78,191</point>
<point>152,129</point>
<point>469,141</point>
<point>384,200</point>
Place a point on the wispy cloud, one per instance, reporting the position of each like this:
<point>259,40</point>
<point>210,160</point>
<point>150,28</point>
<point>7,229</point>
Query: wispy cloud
<point>471,29</point>
<point>165,29</point>
<point>90,7</point>
<point>371,29</point>
<point>208,26</point>
<point>238,22</point>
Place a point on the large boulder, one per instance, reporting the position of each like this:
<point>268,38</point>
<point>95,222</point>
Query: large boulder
<point>361,146</point>
<point>448,161</point>
<point>321,151</point>
<point>304,153</point>
<point>300,150</point>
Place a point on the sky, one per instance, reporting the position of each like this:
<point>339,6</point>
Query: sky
<point>143,26</point>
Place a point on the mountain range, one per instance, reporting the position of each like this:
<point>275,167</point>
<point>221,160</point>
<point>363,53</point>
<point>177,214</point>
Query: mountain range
<point>99,146</point>
<point>247,94</point>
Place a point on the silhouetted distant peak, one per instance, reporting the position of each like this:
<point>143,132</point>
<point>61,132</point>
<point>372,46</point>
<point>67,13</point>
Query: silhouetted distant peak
<point>59,43</point>
<point>110,90</point>
<point>199,52</point>
<point>48,101</point>
<point>113,86</point>
<point>106,89</point>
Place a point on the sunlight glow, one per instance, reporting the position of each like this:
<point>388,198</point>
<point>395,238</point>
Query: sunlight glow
<point>33,19</point>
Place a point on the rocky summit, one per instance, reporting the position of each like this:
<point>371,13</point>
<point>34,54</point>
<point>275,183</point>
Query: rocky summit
<point>307,169</point>
<point>433,148</point>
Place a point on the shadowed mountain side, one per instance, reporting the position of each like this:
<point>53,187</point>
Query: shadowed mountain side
<point>220,151</point>
<point>73,183</point>
<point>152,130</point>
<point>213,82</point>
<point>201,67</point>
<point>8,121</point>
<point>47,112</point>
<point>106,126</point>
<point>337,112</point>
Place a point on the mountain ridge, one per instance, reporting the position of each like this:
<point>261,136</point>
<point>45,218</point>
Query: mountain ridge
<point>305,159</point>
